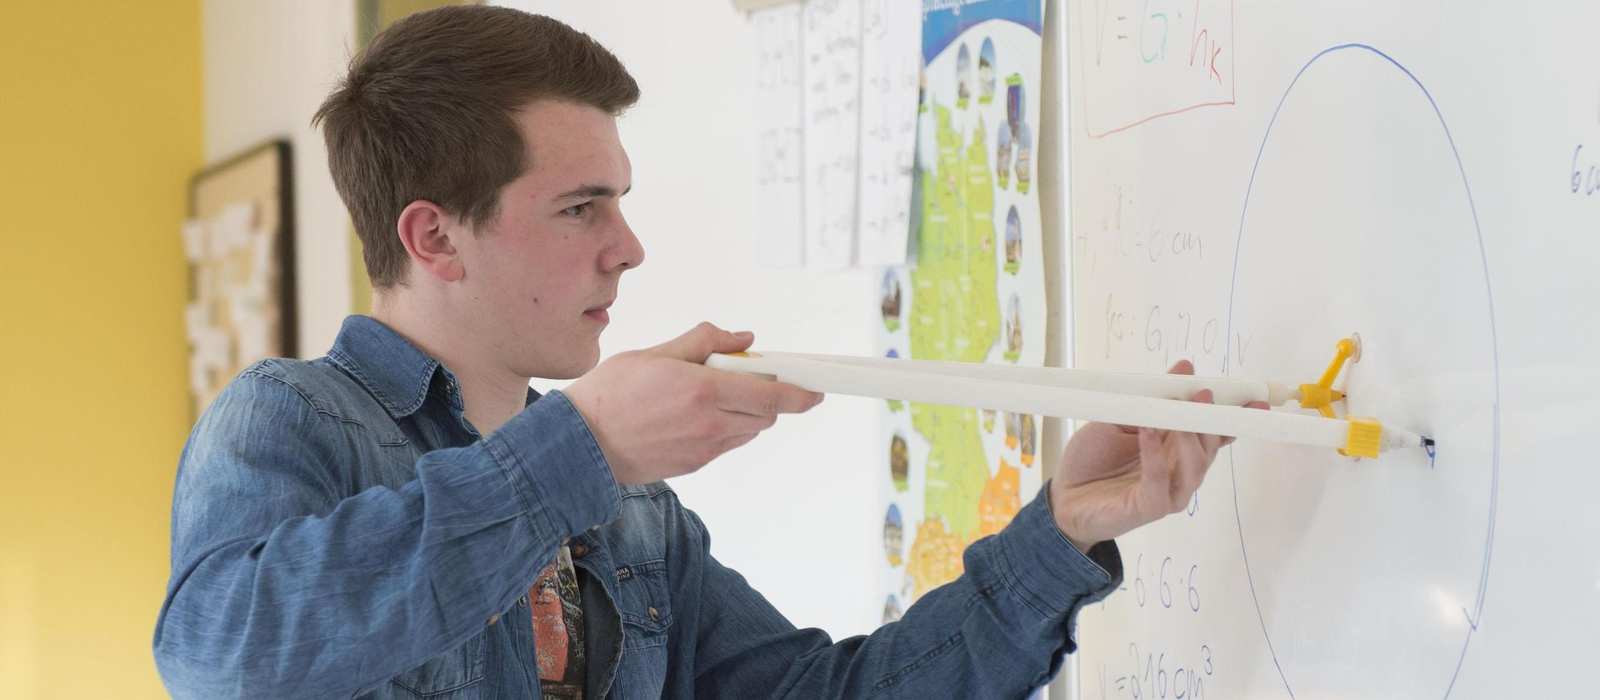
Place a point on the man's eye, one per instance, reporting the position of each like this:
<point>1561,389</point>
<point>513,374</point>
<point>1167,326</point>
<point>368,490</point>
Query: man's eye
<point>578,210</point>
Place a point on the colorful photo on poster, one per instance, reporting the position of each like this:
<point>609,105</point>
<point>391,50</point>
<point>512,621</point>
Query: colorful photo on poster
<point>894,535</point>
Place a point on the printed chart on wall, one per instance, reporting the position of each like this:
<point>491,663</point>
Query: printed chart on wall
<point>973,293</point>
<point>1246,195</point>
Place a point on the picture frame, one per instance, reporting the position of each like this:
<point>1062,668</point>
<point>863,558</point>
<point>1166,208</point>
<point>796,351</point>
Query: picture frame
<point>239,243</point>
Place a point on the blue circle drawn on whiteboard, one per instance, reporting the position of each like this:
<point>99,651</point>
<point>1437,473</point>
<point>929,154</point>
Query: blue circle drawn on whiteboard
<point>1350,282</point>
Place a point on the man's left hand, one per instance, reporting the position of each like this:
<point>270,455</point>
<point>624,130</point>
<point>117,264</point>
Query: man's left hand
<point>1113,479</point>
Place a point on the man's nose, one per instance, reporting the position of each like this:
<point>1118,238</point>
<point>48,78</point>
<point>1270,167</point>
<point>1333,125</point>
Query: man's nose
<point>628,252</point>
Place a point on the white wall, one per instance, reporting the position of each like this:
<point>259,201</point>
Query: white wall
<point>795,511</point>
<point>267,67</point>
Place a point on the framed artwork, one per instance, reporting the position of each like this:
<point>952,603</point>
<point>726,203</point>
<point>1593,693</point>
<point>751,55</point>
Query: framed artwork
<point>239,241</point>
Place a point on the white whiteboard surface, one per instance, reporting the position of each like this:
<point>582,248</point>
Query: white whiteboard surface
<point>1252,181</point>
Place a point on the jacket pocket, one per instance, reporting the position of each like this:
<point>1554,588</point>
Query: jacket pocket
<point>448,675</point>
<point>644,603</point>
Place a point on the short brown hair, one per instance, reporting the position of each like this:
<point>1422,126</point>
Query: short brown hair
<point>426,112</point>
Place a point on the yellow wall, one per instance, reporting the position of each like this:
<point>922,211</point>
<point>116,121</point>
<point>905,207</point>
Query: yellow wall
<point>99,132</point>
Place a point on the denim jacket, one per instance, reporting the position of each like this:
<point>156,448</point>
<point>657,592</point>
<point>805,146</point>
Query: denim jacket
<point>340,530</point>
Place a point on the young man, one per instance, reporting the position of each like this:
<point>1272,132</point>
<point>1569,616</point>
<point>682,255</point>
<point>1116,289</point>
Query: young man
<point>403,518</point>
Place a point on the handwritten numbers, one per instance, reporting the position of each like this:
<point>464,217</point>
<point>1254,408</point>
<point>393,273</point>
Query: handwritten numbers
<point>1585,175</point>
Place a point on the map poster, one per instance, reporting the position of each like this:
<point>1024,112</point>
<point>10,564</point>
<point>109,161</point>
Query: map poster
<point>974,292</point>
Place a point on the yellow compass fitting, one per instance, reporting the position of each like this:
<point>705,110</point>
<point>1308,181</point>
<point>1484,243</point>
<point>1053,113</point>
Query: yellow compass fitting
<point>1365,439</point>
<point>1321,396</point>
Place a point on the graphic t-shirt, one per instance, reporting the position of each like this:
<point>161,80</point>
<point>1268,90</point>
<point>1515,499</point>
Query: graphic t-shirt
<point>558,629</point>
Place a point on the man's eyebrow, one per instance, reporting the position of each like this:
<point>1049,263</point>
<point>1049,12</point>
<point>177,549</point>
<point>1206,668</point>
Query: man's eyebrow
<point>587,191</point>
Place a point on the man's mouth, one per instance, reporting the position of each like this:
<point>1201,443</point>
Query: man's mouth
<point>600,313</point>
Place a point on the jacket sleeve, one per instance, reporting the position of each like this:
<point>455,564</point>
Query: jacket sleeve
<point>281,587</point>
<point>999,630</point>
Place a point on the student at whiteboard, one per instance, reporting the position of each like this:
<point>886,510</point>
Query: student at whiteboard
<point>404,518</point>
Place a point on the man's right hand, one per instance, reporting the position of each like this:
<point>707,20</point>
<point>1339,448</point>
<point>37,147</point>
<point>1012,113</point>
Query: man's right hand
<point>660,412</point>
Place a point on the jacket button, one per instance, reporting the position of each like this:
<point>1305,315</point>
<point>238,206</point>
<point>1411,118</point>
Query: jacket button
<point>493,619</point>
<point>655,615</point>
<point>578,551</point>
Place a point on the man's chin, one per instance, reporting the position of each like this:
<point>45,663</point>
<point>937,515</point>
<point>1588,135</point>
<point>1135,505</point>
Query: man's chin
<point>572,366</point>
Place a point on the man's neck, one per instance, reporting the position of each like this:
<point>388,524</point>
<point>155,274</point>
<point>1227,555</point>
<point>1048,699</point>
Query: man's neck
<point>490,395</point>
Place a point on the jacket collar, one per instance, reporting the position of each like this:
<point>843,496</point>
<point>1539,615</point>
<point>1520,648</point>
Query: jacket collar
<point>393,370</point>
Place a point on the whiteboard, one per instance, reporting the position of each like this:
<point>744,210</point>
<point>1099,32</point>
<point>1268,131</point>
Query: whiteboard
<point>1252,181</point>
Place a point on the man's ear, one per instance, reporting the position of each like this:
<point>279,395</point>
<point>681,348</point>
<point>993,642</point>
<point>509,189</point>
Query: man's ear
<point>424,229</point>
